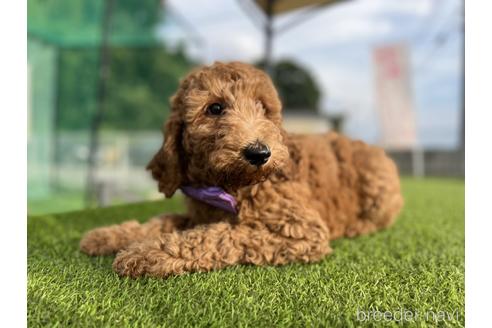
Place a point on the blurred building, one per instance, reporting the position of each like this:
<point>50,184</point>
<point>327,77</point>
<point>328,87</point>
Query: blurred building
<point>302,121</point>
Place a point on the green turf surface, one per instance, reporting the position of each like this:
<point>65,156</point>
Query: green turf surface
<point>417,266</point>
<point>58,202</point>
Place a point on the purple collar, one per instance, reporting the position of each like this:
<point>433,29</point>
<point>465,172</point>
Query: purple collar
<point>214,196</point>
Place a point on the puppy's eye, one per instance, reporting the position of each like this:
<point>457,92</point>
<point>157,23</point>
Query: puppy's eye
<point>215,109</point>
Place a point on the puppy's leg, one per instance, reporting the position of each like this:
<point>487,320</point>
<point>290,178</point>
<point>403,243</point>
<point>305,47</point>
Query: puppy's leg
<point>111,239</point>
<point>379,190</point>
<point>294,234</point>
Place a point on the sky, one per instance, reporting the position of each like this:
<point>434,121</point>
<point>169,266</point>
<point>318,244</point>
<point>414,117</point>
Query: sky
<point>336,45</point>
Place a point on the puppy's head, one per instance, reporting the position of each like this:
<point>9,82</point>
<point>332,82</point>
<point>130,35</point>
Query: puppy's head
<point>224,130</point>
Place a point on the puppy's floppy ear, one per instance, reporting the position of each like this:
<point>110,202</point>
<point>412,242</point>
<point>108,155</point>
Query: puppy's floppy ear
<point>166,164</point>
<point>268,95</point>
<point>270,99</point>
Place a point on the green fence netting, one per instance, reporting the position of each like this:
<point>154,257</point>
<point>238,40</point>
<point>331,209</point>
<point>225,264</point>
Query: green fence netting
<point>64,40</point>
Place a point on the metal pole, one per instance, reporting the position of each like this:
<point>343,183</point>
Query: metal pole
<point>268,36</point>
<point>104,70</point>
<point>55,161</point>
<point>462,128</point>
<point>418,162</point>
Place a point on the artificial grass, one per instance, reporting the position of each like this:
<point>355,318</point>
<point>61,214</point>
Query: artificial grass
<point>62,201</point>
<point>417,265</point>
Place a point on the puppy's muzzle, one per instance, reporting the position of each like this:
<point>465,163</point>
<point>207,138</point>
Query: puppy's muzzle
<point>257,153</point>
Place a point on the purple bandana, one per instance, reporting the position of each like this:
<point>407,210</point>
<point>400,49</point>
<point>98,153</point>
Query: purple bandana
<point>214,196</point>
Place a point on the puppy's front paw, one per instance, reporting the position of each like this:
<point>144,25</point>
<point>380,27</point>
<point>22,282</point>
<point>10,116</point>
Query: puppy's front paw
<point>108,240</point>
<point>98,242</point>
<point>151,258</point>
<point>131,263</point>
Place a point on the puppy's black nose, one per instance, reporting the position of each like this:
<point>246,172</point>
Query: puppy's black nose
<point>257,153</point>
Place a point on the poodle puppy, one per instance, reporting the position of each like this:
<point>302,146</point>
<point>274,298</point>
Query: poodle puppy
<point>255,194</point>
